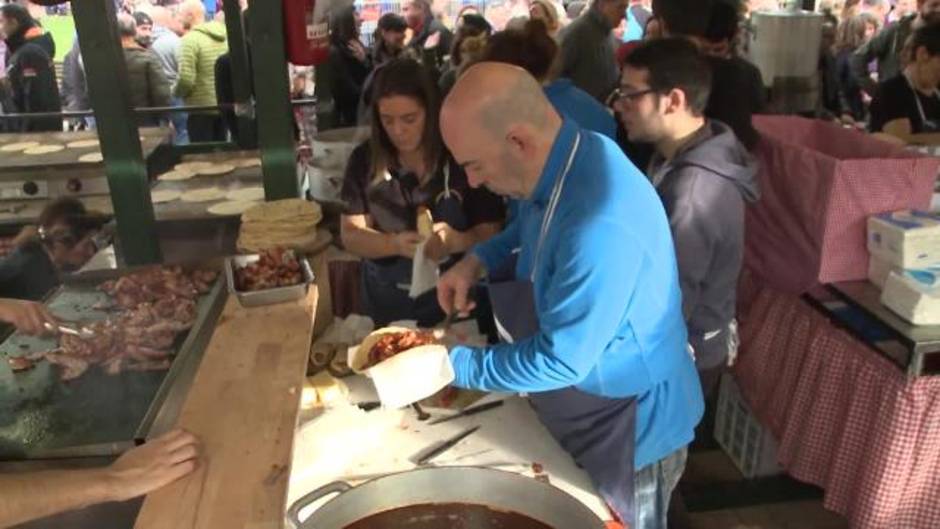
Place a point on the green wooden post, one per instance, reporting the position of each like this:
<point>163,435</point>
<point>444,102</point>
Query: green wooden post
<point>272,100</point>
<point>106,72</point>
<point>241,73</point>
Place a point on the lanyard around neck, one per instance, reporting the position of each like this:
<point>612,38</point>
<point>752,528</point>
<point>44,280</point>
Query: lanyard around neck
<point>920,107</point>
<point>553,203</point>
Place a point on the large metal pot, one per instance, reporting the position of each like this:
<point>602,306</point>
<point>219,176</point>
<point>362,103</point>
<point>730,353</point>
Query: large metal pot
<point>496,489</point>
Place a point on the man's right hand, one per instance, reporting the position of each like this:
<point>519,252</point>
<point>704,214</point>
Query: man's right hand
<point>153,465</point>
<point>406,243</point>
<point>453,289</point>
<point>27,316</point>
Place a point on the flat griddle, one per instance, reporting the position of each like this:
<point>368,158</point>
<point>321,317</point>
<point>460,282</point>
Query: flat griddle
<point>19,164</point>
<point>240,178</point>
<point>42,417</point>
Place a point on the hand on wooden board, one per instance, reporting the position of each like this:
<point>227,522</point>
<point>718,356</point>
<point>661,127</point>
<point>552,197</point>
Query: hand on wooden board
<point>153,465</point>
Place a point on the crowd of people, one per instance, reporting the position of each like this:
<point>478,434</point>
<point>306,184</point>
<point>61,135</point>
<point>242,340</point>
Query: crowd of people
<point>172,54</point>
<point>870,71</point>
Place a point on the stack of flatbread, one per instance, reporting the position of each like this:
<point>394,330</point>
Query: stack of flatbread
<point>290,223</point>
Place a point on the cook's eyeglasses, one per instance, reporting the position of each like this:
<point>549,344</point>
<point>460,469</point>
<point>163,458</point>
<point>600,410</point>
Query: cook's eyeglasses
<point>619,95</point>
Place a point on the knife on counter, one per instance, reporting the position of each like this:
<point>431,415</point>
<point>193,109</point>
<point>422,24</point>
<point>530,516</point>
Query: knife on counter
<point>445,446</point>
<point>472,410</point>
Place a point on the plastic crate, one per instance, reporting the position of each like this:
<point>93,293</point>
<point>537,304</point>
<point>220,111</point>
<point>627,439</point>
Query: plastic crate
<point>750,445</point>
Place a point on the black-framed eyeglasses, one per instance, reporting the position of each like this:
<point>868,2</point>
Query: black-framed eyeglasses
<point>620,95</point>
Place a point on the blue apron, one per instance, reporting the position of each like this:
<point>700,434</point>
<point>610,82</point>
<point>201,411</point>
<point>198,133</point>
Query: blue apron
<point>385,282</point>
<point>598,432</point>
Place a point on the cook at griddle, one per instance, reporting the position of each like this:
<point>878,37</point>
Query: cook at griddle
<point>62,242</point>
<point>402,168</point>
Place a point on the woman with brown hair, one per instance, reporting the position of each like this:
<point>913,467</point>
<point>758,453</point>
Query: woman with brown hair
<point>851,35</point>
<point>404,173</point>
<point>469,41</point>
<point>349,64</point>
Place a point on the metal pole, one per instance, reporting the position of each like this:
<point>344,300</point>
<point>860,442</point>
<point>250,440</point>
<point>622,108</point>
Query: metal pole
<point>272,100</point>
<point>241,74</point>
<point>109,90</point>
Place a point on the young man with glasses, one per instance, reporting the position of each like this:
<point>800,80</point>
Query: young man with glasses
<point>736,94</point>
<point>704,176</point>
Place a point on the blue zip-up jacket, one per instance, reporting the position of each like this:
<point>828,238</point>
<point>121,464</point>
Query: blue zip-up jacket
<point>607,297</point>
<point>572,102</point>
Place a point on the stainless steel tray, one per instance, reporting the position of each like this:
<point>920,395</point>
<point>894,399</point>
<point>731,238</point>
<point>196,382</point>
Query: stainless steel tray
<point>271,296</point>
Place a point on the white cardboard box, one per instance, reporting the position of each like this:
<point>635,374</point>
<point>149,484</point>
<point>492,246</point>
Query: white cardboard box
<point>914,295</point>
<point>879,269</point>
<point>906,239</point>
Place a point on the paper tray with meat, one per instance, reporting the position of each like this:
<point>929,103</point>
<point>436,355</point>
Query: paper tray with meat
<point>406,365</point>
<point>388,342</point>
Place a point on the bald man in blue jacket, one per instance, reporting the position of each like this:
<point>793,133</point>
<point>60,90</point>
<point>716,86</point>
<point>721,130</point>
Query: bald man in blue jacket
<point>591,322</point>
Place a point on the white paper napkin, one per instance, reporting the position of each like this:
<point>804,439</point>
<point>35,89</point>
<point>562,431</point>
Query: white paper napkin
<point>424,273</point>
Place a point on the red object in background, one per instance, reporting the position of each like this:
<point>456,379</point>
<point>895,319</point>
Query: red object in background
<point>625,50</point>
<point>306,37</point>
<point>819,183</point>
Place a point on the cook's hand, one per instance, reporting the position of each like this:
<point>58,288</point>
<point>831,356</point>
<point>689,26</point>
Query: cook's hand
<point>406,243</point>
<point>27,316</point>
<point>444,242</point>
<point>153,465</point>
<point>357,49</point>
<point>453,288</point>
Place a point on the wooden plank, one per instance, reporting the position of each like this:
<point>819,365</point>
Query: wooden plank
<point>243,406</point>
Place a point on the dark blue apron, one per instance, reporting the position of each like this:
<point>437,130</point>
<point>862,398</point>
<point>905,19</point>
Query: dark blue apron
<point>598,432</point>
<point>385,282</point>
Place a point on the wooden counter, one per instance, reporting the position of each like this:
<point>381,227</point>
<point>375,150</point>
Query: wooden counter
<point>243,406</point>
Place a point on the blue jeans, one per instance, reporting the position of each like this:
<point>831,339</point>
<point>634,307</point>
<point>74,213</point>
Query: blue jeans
<point>179,123</point>
<point>653,486</point>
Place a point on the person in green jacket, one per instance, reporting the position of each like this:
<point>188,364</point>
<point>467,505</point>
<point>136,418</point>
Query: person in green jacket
<point>199,50</point>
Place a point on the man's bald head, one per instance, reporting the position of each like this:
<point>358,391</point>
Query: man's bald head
<point>498,95</point>
<point>499,125</point>
<point>191,14</point>
<point>160,15</point>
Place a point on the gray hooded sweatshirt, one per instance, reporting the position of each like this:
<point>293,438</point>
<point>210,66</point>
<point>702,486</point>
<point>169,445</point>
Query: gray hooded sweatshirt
<point>704,189</point>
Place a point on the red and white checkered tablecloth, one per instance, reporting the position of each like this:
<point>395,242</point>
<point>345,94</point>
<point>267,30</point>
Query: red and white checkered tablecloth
<point>847,419</point>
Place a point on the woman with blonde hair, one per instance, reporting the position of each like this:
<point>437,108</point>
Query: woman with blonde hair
<point>545,11</point>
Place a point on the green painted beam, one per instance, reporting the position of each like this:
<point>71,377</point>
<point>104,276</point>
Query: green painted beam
<point>272,100</point>
<point>108,87</point>
<point>241,73</point>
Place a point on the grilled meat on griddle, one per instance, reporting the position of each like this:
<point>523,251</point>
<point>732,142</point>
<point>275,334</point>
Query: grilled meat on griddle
<point>158,303</point>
